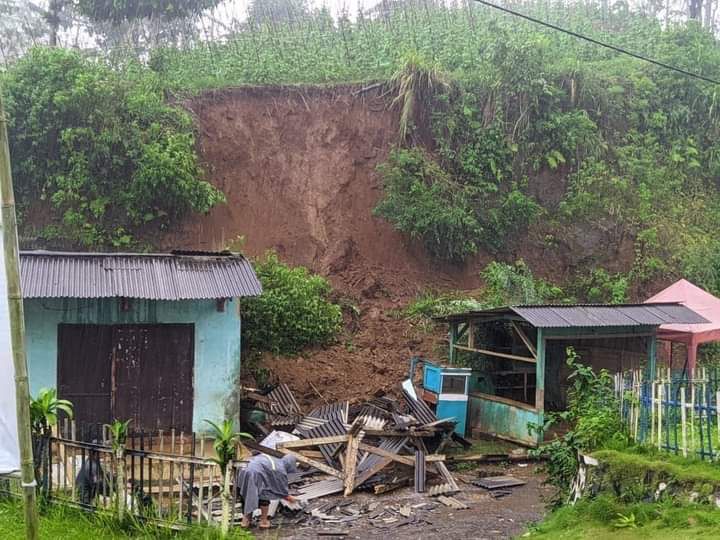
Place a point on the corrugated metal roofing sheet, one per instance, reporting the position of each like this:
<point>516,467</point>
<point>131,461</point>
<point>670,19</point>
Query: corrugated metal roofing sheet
<point>592,315</point>
<point>48,274</point>
<point>597,315</point>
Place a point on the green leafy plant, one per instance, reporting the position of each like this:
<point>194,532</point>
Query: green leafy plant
<point>625,521</point>
<point>44,411</point>
<point>515,284</point>
<point>293,312</point>
<point>592,417</point>
<point>118,430</point>
<point>115,158</point>
<point>225,445</point>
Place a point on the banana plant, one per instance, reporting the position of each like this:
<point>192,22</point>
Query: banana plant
<point>118,433</point>
<point>225,445</point>
<point>44,411</point>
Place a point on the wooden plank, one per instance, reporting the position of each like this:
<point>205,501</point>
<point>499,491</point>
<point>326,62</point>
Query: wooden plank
<point>319,466</point>
<point>313,442</point>
<point>524,339</point>
<point>351,462</point>
<point>495,353</point>
<point>405,460</point>
<point>445,473</point>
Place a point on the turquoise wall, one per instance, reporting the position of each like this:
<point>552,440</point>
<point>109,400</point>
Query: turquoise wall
<point>217,342</point>
<point>502,419</point>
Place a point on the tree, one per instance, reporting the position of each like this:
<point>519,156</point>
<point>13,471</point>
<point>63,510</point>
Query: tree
<point>277,11</point>
<point>117,11</point>
<point>100,149</point>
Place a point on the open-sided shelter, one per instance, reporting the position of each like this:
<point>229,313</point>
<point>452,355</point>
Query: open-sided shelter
<point>152,337</point>
<point>692,335</point>
<point>519,355</point>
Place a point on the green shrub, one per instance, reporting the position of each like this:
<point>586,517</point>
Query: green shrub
<point>292,313</point>
<point>515,284</point>
<point>101,148</point>
<point>422,200</point>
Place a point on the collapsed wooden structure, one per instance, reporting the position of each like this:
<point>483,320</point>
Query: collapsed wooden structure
<point>378,445</point>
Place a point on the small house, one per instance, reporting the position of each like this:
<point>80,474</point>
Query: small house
<point>150,337</point>
<point>518,355</point>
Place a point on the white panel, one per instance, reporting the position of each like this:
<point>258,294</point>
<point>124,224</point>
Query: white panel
<point>453,397</point>
<point>9,450</point>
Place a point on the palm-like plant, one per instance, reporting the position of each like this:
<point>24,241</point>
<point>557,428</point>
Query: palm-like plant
<point>44,411</point>
<point>225,445</point>
<point>45,408</point>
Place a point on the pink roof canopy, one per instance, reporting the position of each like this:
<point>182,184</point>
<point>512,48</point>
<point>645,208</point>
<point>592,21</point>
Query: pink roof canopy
<point>701,302</point>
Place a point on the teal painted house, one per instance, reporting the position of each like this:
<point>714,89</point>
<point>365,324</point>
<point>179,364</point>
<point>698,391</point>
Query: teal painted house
<point>152,337</point>
<point>518,356</point>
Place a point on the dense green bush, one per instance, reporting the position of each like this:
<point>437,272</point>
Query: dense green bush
<point>424,201</point>
<point>292,313</point>
<point>515,284</point>
<point>100,149</point>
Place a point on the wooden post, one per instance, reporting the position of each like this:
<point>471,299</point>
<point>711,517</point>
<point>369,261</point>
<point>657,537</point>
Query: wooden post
<point>453,341</point>
<point>692,415</point>
<point>652,357</point>
<point>17,331</point>
<point>653,391</point>
<point>540,382</point>
<point>683,420</point>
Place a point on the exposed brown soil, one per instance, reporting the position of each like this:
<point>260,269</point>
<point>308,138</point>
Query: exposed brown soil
<point>297,165</point>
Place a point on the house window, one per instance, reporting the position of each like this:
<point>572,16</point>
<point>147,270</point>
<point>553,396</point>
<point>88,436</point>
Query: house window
<point>453,384</point>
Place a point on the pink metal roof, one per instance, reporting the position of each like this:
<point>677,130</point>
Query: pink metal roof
<point>701,302</point>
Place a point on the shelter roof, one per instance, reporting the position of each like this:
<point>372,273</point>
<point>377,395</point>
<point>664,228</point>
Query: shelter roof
<point>700,301</point>
<point>154,276</point>
<point>588,315</point>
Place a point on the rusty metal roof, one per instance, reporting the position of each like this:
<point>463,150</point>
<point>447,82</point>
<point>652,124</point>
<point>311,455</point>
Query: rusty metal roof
<point>53,274</point>
<point>590,315</point>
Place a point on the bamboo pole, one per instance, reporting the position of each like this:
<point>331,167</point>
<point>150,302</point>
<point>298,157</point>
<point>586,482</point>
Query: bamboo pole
<point>17,331</point>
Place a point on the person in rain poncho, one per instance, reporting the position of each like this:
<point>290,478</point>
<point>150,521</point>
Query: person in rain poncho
<point>264,479</point>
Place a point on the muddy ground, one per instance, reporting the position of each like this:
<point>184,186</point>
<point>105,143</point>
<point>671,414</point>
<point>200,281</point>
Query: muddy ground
<point>486,517</point>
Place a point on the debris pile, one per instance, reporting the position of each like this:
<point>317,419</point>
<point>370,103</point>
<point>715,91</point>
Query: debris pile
<point>378,445</point>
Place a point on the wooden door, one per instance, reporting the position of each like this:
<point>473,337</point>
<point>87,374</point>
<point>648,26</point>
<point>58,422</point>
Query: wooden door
<point>153,375</point>
<point>83,370</point>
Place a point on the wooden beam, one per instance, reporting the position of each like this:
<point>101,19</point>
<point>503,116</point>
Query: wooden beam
<point>471,334</point>
<point>494,353</point>
<point>351,462</point>
<point>405,460</point>
<point>524,338</point>
<point>319,466</point>
<point>334,439</point>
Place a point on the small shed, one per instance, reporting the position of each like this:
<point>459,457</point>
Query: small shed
<point>152,337</point>
<point>519,355</point>
<point>692,335</point>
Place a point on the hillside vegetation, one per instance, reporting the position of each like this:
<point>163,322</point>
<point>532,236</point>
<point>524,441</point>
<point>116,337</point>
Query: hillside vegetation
<point>510,135</point>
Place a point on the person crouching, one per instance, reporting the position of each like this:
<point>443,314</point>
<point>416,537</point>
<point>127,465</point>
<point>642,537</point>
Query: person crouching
<point>263,480</point>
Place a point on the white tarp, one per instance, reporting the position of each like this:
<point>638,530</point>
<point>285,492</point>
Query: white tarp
<point>9,450</point>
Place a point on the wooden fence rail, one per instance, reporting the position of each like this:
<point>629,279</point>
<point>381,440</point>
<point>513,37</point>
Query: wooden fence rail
<point>170,476</point>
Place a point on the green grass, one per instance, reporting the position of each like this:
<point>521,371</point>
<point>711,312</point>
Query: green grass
<point>64,523</point>
<point>638,461</point>
<point>600,519</point>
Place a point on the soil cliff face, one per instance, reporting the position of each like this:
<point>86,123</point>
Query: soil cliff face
<point>297,165</point>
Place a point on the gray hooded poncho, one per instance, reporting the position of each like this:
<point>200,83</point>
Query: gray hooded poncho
<point>264,478</point>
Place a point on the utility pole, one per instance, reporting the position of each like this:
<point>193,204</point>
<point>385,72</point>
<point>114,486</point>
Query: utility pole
<point>17,331</point>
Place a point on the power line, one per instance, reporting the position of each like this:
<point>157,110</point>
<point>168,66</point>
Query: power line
<point>596,42</point>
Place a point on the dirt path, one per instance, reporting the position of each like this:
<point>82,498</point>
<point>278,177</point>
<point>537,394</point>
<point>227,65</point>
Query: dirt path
<point>486,517</point>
